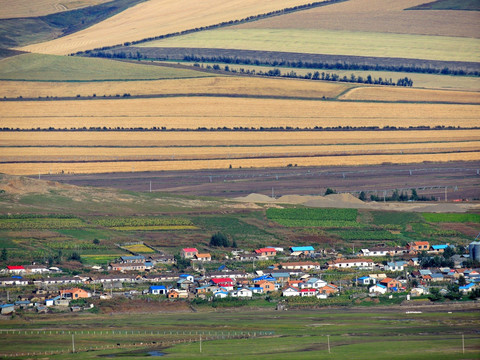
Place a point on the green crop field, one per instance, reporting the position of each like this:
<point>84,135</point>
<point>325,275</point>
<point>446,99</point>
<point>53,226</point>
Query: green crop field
<point>453,218</point>
<point>366,235</point>
<point>66,68</point>
<point>331,42</point>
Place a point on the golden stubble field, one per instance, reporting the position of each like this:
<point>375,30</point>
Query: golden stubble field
<point>120,166</point>
<point>29,8</point>
<point>386,16</point>
<point>157,17</point>
<point>384,93</point>
<point>209,85</point>
<point>219,112</point>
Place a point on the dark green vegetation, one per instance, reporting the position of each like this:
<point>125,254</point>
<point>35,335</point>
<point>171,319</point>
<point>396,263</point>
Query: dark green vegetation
<point>24,31</point>
<point>49,226</point>
<point>298,334</point>
<point>449,5</point>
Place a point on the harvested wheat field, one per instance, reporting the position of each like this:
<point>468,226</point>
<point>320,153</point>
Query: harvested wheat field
<point>120,139</point>
<point>399,94</point>
<point>103,167</point>
<point>386,16</point>
<point>157,17</point>
<point>220,112</point>
<point>221,85</point>
<point>29,8</point>
<point>72,154</point>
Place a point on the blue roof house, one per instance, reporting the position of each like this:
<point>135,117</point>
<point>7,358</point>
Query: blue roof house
<point>157,290</point>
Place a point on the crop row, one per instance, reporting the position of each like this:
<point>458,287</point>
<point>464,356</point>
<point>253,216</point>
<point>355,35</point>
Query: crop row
<point>154,227</point>
<point>74,245</point>
<point>40,223</point>
<point>133,223</point>
<point>337,215</point>
<point>331,224</point>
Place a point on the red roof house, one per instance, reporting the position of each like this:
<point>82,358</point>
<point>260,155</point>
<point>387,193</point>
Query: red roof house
<point>189,253</point>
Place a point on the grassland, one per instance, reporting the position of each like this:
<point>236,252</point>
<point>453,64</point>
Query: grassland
<point>452,218</point>
<point>398,94</point>
<point>61,68</point>
<point>299,334</point>
<point>389,17</point>
<point>208,112</point>
<point>25,8</point>
<point>216,85</point>
<point>334,42</point>
<point>141,22</point>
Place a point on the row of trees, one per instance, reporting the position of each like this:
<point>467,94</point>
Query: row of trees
<point>329,65</point>
<point>397,196</point>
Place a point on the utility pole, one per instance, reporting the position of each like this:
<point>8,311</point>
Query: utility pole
<point>445,194</point>
<point>200,343</point>
<point>328,343</point>
<point>150,186</point>
<point>73,343</point>
<point>463,344</point>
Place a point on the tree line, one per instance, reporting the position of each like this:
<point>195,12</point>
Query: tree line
<point>319,76</point>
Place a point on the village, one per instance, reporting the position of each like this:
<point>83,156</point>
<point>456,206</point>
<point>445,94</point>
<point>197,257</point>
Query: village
<point>420,269</point>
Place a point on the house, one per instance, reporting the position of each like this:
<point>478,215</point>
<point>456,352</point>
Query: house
<point>266,285</point>
<point>391,284</point>
<point>132,259</point>
<point>220,294</point>
<point>351,263</point>
<point>157,290</point>
<point>308,292</point>
<point>256,290</point>
<point>128,266</point>
<point>417,291</point>
<point>384,251</point>
<point>395,266</point>
<point>467,288</point>
<point>162,259</point>
<point>437,277</point>
<point>74,293</point>
<point>413,262</point>
<point>294,283</point>
<point>6,309</point>
<point>328,289</point>
<point>226,283</point>
<point>247,257</point>
<point>312,283</point>
<point>301,265</point>
<point>366,280</point>
<point>281,277</point>
<point>13,281</point>
<point>13,269</point>
<point>188,253</point>
<point>242,293</point>
<point>438,249</point>
<point>302,250</point>
<point>290,291</point>
<point>185,284</point>
<point>266,252</point>
<point>35,269</point>
<point>418,246</point>
<point>177,294</point>
<point>203,257</point>
<point>378,289</point>
<point>23,304</point>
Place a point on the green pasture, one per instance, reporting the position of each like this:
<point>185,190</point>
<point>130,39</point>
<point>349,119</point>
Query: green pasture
<point>298,334</point>
<point>331,42</point>
<point>38,67</point>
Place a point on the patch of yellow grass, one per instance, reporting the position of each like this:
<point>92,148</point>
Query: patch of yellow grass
<point>157,17</point>
<point>215,112</point>
<point>139,248</point>
<point>29,8</point>
<point>208,152</point>
<point>401,94</point>
<point>79,168</point>
<point>215,85</point>
<point>228,138</point>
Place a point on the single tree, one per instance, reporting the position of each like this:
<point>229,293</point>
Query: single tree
<point>362,196</point>
<point>330,191</point>
<point>4,256</point>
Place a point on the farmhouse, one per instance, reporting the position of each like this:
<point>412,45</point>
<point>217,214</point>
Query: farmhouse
<point>13,269</point>
<point>157,290</point>
<point>203,257</point>
<point>312,283</point>
<point>351,263</point>
<point>301,265</point>
<point>74,293</point>
<point>226,283</point>
<point>290,291</point>
<point>132,259</point>
<point>129,266</point>
<point>395,266</point>
<point>302,250</point>
<point>391,284</point>
<point>266,252</point>
<point>383,251</point>
<point>378,289</point>
<point>267,286</point>
<point>189,253</point>
<point>417,246</point>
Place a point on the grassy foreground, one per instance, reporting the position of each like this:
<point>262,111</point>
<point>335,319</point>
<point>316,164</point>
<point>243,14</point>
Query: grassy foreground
<point>298,334</point>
